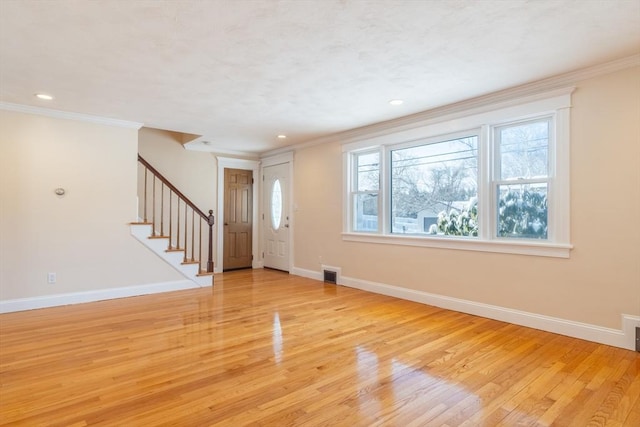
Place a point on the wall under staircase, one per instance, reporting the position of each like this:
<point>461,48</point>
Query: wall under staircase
<point>159,245</point>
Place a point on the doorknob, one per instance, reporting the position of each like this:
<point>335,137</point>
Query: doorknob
<point>286,225</point>
<point>226,223</point>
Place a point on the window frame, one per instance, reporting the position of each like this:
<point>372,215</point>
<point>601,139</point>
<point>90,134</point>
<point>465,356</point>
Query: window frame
<point>484,122</point>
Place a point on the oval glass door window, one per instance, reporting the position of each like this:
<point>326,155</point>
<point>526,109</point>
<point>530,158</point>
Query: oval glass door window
<point>276,205</point>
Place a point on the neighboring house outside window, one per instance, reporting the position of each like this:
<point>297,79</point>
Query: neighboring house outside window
<point>493,179</point>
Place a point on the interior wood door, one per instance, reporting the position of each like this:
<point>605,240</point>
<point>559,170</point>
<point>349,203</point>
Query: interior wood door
<point>238,219</point>
<point>276,227</point>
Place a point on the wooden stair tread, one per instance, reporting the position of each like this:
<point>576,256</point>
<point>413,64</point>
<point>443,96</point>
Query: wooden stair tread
<point>140,223</point>
<point>190,262</point>
<point>174,250</point>
<point>158,237</point>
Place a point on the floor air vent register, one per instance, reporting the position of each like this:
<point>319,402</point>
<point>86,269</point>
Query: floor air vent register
<point>330,276</point>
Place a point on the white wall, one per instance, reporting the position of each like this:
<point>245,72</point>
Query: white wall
<point>83,237</point>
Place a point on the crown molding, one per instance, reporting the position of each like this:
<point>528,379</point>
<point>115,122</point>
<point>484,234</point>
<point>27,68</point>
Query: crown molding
<point>285,157</point>
<point>531,91</point>
<point>57,114</point>
<point>198,146</point>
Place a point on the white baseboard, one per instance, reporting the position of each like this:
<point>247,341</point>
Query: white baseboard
<point>624,338</point>
<point>309,274</point>
<point>22,304</point>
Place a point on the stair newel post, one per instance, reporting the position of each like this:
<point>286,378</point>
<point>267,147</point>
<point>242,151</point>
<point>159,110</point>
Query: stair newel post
<point>170,220</point>
<point>186,230</point>
<point>210,222</point>
<point>200,244</point>
<point>162,209</point>
<point>145,194</point>
<point>193,235</point>
<point>178,225</point>
<point>153,206</point>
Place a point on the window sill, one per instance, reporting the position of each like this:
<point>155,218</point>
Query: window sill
<point>534,248</point>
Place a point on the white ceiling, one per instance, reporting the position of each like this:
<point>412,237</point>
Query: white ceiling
<point>240,72</point>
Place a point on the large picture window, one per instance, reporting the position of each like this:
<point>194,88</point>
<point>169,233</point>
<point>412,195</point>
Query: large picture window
<point>501,186</point>
<point>434,188</point>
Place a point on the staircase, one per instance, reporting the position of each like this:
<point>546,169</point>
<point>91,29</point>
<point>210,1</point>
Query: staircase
<point>173,227</point>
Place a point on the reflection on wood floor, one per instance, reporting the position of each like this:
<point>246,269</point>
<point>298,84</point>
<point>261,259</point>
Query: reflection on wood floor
<point>266,348</point>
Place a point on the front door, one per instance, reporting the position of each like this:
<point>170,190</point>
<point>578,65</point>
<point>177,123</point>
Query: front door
<point>276,216</point>
<point>238,222</point>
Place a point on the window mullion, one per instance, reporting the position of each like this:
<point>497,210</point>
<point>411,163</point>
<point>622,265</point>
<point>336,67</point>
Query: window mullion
<point>486,209</point>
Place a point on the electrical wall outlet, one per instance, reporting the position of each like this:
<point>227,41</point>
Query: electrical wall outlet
<point>51,278</point>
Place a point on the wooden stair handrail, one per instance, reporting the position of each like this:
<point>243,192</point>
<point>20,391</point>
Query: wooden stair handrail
<point>174,189</point>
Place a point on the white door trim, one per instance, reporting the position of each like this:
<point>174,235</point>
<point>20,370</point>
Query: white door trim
<point>230,163</point>
<point>271,161</point>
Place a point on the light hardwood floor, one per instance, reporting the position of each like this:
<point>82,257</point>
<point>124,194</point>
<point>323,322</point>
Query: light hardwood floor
<point>265,348</point>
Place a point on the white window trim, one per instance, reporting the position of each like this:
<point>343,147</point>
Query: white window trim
<point>556,103</point>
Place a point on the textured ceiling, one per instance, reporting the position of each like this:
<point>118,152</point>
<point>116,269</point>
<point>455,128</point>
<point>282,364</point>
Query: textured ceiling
<point>240,72</point>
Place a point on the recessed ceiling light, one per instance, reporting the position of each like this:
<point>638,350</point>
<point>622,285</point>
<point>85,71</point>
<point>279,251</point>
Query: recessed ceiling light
<point>282,136</point>
<point>396,102</point>
<point>44,96</point>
